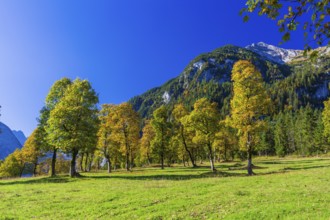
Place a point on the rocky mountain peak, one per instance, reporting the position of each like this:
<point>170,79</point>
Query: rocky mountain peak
<point>273,53</point>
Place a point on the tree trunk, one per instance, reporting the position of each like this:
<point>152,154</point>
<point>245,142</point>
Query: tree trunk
<point>109,164</point>
<point>98,164</point>
<point>249,155</point>
<point>73,171</point>
<point>187,149</point>
<point>35,169</point>
<point>211,157</point>
<point>86,162</point>
<point>21,171</point>
<point>132,160</point>
<point>90,163</point>
<point>53,172</point>
<point>162,160</point>
<point>225,153</point>
<point>81,162</point>
<point>127,161</point>
<point>249,166</point>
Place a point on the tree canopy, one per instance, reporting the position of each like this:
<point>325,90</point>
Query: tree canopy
<point>311,15</point>
<point>73,123</point>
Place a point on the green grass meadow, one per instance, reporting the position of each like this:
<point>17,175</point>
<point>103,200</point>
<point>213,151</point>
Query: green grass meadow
<point>281,189</point>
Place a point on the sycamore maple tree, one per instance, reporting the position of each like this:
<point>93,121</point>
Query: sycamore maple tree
<point>126,126</point>
<point>148,134</point>
<point>32,149</point>
<point>73,123</point>
<point>107,144</point>
<point>204,120</point>
<point>54,96</point>
<point>182,133</point>
<point>249,104</point>
<point>163,132</point>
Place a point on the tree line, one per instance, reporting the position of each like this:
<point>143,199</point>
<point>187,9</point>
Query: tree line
<point>117,137</point>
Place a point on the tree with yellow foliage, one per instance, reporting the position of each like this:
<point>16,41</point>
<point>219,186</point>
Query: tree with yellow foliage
<point>163,131</point>
<point>183,134</point>
<point>107,144</point>
<point>13,165</point>
<point>32,149</point>
<point>148,135</point>
<point>249,104</point>
<point>126,124</point>
<point>226,140</point>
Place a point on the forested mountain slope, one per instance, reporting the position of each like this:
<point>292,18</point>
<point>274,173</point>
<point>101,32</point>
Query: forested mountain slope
<point>292,80</point>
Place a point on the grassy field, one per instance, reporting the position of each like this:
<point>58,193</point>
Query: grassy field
<point>282,189</point>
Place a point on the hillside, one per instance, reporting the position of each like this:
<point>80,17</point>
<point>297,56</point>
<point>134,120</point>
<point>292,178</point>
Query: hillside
<point>291,82</point>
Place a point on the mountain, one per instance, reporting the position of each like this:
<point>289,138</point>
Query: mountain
<point>20,136</point>
<point>273,53</point>
<point>8,141</point>
<point>290,84</point>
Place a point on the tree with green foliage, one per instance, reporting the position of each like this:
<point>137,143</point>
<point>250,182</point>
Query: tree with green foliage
<point>163,132</point>
<point>204,119</point>
<point>280,136</point>
<point>326,120</point>
<point>319,145</point>
<point>73,123</point>
<point>304,127</point>
<point>249,105</point>
<point>294,17</point>
<point>55,94</point>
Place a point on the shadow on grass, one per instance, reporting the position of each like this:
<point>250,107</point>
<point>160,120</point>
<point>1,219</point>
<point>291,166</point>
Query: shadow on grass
<point>305,168</point>
<point>292,161</point>
<point>20,181</point>
<point>169,177</point>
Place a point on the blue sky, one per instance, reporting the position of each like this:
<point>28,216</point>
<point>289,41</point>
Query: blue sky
<point>122,47</point>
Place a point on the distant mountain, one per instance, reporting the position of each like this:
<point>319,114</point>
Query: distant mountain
<point>290,84</point>
<point>20,136</point>
<point>273,53</point>
<point>8,141</point>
